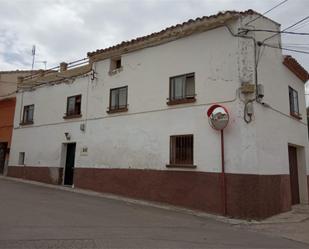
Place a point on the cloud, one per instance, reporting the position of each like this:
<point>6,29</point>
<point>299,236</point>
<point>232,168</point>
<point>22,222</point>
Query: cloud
<point>67,30</point>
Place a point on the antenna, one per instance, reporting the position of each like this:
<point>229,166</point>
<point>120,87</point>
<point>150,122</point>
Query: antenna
<point>33,56</point>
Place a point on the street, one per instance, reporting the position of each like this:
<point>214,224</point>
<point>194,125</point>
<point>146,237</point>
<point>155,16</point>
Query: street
<point>39,217</point>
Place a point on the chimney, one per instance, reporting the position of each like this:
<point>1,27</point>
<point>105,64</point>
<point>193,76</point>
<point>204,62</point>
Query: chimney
<point>63,66</point>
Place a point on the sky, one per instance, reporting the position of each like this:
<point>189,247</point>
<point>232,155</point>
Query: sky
<point>65,30</point>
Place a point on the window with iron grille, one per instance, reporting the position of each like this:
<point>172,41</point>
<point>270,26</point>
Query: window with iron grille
<point>181,150</point>
<point>182,87</point>
<point>294,107</point>
<point>28,114</point>
<point>118,99</point>
<point>74,105</point>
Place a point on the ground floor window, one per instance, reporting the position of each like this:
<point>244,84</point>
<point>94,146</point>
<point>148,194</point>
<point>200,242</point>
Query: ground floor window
<point>181,150</point>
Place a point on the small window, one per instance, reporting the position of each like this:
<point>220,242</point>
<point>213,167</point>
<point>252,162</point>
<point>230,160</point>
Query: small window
<point>182,89</point>
<point>181,150</point>
<point>28,114</point>
<point>74,106</point>
<point>115,65</point>
<point>118,63</point>
<point>118,99</point>
<point>294,107</point>
<point>21,159</point>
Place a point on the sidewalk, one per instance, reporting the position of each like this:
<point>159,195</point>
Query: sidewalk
<point>292,225</point>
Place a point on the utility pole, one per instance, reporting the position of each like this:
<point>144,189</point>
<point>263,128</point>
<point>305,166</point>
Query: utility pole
<point>33,56</point>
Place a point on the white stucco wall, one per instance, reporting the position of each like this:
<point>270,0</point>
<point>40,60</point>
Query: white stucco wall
<point>139,138</point>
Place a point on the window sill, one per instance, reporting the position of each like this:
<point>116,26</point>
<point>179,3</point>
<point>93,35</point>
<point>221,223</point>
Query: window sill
<point>181,101</point>
<point>296,115</point>
<point>72,116</point>
<point>26,123</point>
<point>115,71</point>
<point>117,110</point>
<point>184,166</point>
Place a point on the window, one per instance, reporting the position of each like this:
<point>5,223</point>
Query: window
<point>115,65</point>
<point>118,63</point>
<point>21,159</point>
<point>28,114</point>
<point>182,89</point>
<point>74,106</point>
<point>181,151</point>
<point>118,99</point>
<point>294,107</point>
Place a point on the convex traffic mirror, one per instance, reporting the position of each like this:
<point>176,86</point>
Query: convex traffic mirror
<point>218,117</point>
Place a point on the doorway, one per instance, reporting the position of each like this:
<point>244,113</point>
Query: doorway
<point>3,150</point>
<point>69,164</point>
<point>294,175</point>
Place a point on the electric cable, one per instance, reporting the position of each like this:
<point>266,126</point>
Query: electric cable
<point>267,11</point>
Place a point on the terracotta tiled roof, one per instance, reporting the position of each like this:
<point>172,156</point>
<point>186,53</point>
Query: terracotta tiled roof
<point>17,71</point>
<point>296,68</point>
<point>176,28</point>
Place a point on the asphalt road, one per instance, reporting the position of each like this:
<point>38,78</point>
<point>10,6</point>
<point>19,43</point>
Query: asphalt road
<point>39,217</point>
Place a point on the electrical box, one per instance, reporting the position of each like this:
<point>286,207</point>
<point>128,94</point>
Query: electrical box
<point>82,127</point>
<point>84,151</point>
<point>247,88</point>
<point>260,91</point>
<point>250,110</point>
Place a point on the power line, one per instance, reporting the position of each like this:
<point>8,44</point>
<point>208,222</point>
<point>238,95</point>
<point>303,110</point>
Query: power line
<point>279,47</point>
<point>293,25</point>
<point>267,11</point>
<point>300,26</point>
<point>276,31</point>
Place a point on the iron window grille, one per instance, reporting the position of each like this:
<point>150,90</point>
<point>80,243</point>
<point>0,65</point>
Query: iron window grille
<point>181,150</point>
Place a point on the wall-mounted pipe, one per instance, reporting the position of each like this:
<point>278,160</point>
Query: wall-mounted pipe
<point>223,177</point>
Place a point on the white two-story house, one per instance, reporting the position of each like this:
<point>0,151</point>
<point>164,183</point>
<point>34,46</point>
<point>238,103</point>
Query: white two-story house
<point>133,120</point>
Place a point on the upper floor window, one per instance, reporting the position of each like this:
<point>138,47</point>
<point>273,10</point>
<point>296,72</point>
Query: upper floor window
<point>182,89</point>
<point>294,106</point>
<point>181,151</point>
<point>74,106</point>
<point>28,114</point>
<point>118,99</point>
<point>115,65</point>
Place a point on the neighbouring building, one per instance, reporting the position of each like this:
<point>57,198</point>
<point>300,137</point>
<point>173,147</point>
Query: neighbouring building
<point>133,120</point>
<point>8,87</point>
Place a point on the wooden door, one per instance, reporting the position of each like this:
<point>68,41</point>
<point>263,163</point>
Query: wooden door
<point>294,175</point>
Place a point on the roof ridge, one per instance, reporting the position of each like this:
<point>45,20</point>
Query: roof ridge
<point>173,27</point>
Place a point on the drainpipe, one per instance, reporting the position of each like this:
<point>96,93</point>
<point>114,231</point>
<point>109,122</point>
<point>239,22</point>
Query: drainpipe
<point>223,178</point>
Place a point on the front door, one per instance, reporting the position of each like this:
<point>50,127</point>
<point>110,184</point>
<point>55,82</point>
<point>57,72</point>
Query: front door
<point>69,164</point>
<point>3,149</point>
<point>294,175</point>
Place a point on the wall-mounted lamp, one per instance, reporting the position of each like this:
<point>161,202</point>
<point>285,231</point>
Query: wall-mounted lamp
<point>67,135</point>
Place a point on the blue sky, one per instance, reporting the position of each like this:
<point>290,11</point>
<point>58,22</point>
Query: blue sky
<point>67,30</point>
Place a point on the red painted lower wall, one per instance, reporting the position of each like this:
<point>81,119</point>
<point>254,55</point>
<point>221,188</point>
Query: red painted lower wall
<point>248,196</point>
<point>50,175</point>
